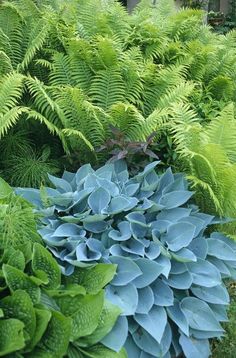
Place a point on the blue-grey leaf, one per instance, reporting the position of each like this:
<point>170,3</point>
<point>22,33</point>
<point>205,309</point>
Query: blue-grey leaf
<point>216,295</point>
<point>194,348</point>
<point>99,200</point>
<point>175,198</point>
<point>182,281</point>
<point>150,271</point>
<point>153,322</point>
<point>220,250</point>
<point>125,297</point>
<point>179,235</point>
<point>127,270</point>
<point>123,234</point>
<point>204,273</point>
<point>199,315</point>
<point>115,339</point>
<point>177,315</point>
<point>163,294</point>
<point>145,300</point>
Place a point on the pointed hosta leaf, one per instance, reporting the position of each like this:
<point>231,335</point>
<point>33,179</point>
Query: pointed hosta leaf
<point>111,187</point>
<point>145,300</point>
<point>60,184</point>
<point>220,265</point>
<point>163,295</point>
<point>193,348</point>
<point>66,230</point>
<point>150,271</point>
<point>115,340</point>
<point>217,294</point>
<point>154,322</point>
<point>219,311</point>
<point>199,315</point>
<point>153,251</point>
<point>82,173</point>
<point>131,347</point>
<point>220,250</point>
<point>118,204</point>
<point>17,279</point>
<point>166,341</point>
<point>147,170</point>
<point>125,297</point>
<point>99,200</point>
<point>182,281</point>
<point>56,337</point>
<point>127,270</point>
<point>173,215</point>
<point>96,227</point>
<point>204,273</point>
<point>175,199</point>
<point>85,319</point>
<point>20,306</point>
<point>179,235</point>
<point>131,189</point>
<point>107,320</point>
<point>147,343</point>
<point>199,247</point>
<point>184,255</point>
<point>93,279</point>
<point>42,319</point>
<point>137,218</point>
<point>99,351</point>
<point>176,315</point>
<point>123,234</point>
<point>194,333</point>
<point>11,336</point>
<point>42,261</point>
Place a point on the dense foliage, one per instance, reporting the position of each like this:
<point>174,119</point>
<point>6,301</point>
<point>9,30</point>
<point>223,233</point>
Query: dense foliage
<point>74,68</point>
<point>41,313</point>
<point>170,269</point>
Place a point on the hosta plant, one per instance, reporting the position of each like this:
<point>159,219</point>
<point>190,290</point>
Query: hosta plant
<point>168,282</point>
<point>41,313</point>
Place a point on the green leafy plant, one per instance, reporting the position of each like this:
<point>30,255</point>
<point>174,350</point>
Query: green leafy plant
<point>41,313</point>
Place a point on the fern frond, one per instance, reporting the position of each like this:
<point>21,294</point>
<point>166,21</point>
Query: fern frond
<point>5,64</point>
<point>107,88</point>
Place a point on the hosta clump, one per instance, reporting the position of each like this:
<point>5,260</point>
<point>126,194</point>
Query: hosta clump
<point>169,277</point>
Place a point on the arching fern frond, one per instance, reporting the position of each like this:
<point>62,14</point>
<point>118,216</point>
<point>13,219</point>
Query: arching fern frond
<point>107,88</point>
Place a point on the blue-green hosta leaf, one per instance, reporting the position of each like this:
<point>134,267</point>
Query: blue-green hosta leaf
<point>91,182</point>
<point>145,300</point>
<point>91,250</point>
<point>153,322</point>
<point>165,263</point>
<point>149,168</point>
<point>131,189</point>
<point>115,340</point>
<point>220,250</point>
<point>177,315</point>
<point>175,199</point>
<point>136,247</point>
<point>179,235</point>
<point>86,318</point>
<point>122,234</point>
<point>146,342</point>
<point>173,215</point>
<point>42,261</point>
<point>220,265</point>
<point>131,347</point>
<point>163,294</point>
<point>178,267</point>
<point>11,336</point>
<point>127,270</point>
<point>182,281</point>
<point>166,341</point>
<point>16,279</point>
<point>137,218</point>
<point>199,315</point>
<point>194,333</point>
<point>152,251</point>
<point>199,247</point>
<point>118,205</point>
<point>82,173</point>
<point>111,187</point>
<point>125,297</point>
<point>204,273</point>
<point>197,222</point>
<point>227,240</point>
<point>96,227</point>
<point>220,312</point>
<point>61,184</point>
<point>30,194</point>
<point>93,218</point>
<point>99,200</point>
<point>106,321</point>
<point>216,295</point>
<point>194,348</point>
<point>184,255</point>
<point>65,230</point>
<point>150,271</point>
